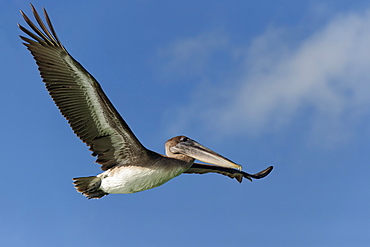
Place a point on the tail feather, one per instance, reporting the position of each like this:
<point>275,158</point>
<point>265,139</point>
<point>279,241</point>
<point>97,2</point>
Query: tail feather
<point>89,187</point>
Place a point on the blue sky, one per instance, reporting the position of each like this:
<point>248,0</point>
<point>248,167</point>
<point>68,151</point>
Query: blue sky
<point>283,83</point>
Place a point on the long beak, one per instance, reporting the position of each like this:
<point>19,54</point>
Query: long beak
<point>197,151</point>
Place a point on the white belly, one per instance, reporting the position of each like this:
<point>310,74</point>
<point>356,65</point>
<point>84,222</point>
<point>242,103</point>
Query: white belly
<point>125,180</point>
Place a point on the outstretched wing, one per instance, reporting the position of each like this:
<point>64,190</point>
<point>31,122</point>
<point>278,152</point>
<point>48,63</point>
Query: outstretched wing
<point>80,98</point>
<point>231,173</point>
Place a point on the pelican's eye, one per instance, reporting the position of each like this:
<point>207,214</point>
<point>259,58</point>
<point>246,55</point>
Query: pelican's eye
<point>184,139</point>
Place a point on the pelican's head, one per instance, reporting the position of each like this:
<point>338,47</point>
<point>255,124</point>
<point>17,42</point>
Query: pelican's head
<point>184,148</point>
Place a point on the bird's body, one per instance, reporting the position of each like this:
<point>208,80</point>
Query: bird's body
<point>137,178</point>
<point>128,166</point>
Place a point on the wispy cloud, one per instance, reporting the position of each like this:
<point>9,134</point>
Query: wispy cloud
<point>324,79</point>
<point>191,56</point>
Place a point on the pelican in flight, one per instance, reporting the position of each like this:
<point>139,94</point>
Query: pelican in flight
<point>128,166</point>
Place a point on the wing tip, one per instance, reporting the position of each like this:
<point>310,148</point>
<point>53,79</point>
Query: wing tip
<point>262,173</point>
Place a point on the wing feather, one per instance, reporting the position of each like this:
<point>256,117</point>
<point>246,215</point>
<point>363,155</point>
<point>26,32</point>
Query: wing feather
<point>231,173</point>
<point>80,98</point>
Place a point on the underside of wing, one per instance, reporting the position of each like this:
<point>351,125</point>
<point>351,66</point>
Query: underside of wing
<point>231,173</point>
<point>80,98</point>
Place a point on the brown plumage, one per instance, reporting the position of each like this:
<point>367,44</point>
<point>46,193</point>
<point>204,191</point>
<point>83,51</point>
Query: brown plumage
<point>128,166</point>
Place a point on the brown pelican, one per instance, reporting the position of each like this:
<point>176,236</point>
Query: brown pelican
<point>128,166</point>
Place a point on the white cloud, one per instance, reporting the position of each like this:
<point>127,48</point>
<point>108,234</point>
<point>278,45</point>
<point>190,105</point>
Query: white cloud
<point>327,74</point>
